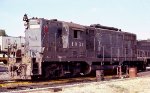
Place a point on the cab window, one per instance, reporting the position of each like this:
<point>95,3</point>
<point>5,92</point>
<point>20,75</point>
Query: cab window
<point>77,34</point>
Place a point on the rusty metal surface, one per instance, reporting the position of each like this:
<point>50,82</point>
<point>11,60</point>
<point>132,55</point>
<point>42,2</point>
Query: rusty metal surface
<point>132,72</point>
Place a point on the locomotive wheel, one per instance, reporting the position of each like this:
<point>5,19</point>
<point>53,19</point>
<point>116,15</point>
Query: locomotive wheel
<point>86,69</point>
<point>5,62</point>
<point>50,71</point>
<point>34,78</point>
<point>76,69</point>
<point>144,67</point>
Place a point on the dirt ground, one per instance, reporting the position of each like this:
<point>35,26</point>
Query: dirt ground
<point>135,85</point>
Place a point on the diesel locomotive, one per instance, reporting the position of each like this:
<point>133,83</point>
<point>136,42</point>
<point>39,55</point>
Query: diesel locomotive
<point>143,51</point>
<point>56,48</point>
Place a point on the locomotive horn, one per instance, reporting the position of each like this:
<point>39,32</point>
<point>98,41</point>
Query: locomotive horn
<point>25,18</point>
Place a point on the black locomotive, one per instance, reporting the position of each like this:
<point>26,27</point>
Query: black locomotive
<point>57,49</point>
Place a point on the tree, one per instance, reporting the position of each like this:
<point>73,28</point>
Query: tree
<point>3,33</point>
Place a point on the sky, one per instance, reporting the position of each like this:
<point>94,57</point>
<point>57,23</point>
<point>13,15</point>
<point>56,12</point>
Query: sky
<point>128,15</point>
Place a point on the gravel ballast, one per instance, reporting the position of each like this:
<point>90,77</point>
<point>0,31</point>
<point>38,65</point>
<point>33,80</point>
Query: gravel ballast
<point>134,85</point>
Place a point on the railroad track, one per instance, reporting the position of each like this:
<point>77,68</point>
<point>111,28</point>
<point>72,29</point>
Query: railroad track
<point>10,86</point>
<point>56,85</point>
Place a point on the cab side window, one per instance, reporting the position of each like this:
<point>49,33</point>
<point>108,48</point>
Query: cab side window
<point>59,33</point>
<point>77,34</point>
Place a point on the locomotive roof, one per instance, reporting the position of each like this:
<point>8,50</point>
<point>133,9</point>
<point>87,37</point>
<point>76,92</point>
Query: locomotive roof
<point>70,24</point>
<point>129,33</point>
<point>94,26</point>
<point>148,40</point>
<point>74,25</point>
<point>104,27</point>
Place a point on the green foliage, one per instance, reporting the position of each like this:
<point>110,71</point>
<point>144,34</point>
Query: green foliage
<point>3,33</point>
